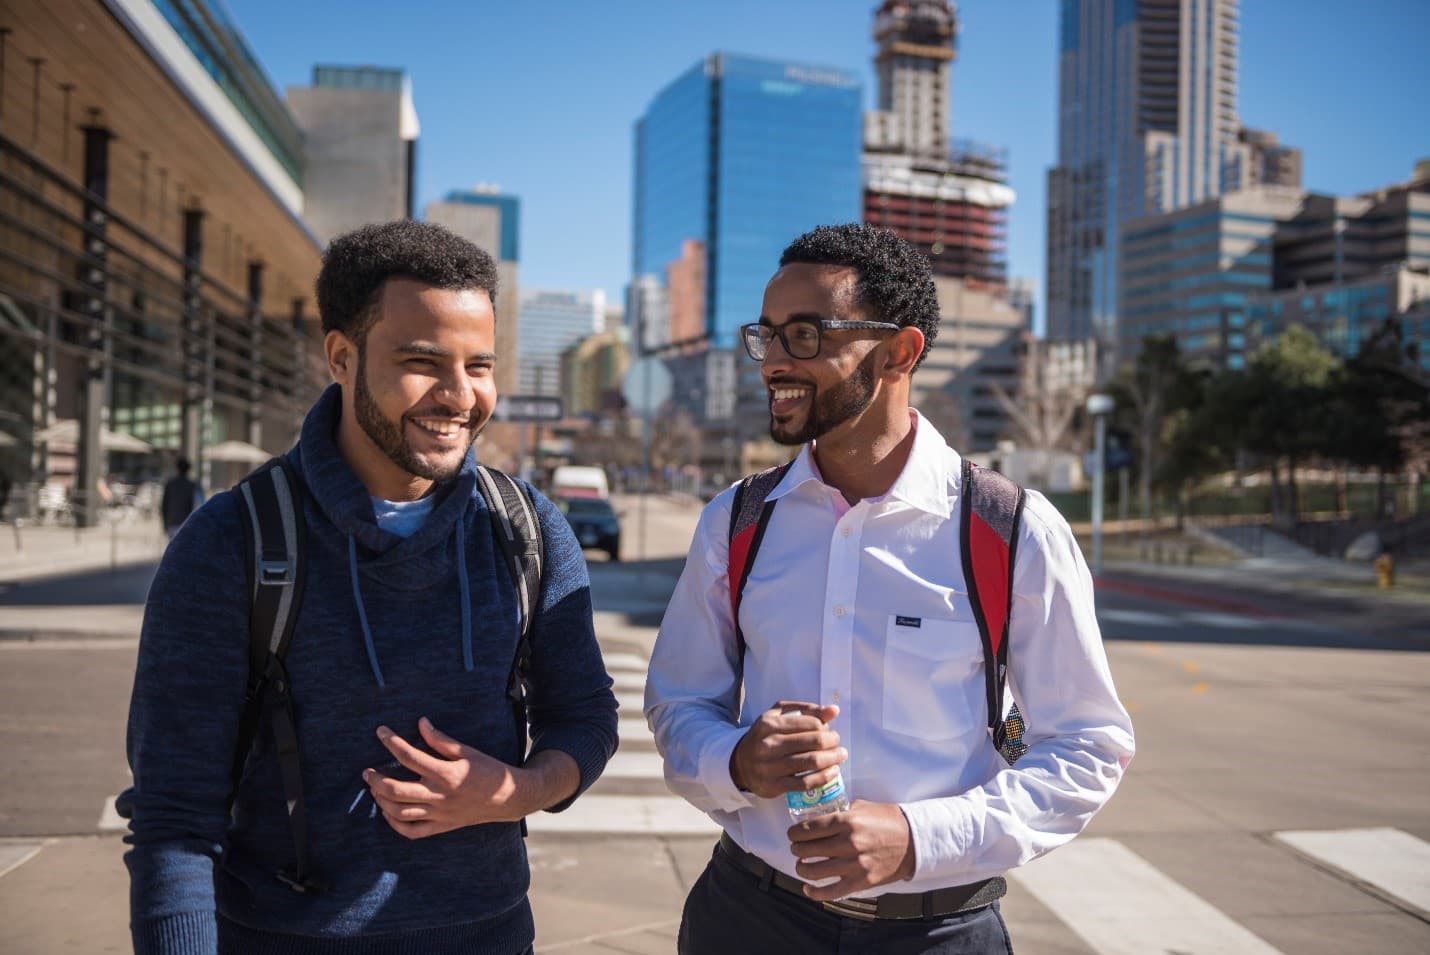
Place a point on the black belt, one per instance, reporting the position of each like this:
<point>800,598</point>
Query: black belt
<point>892,905</point>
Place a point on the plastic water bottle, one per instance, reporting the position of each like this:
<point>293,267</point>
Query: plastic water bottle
<point>819,801</point>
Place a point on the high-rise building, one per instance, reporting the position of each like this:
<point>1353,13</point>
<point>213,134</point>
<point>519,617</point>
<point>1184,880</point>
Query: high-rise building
<point>733,160</point>
<point>1266,162</point>
<point>949,198</point>
<point>360,134</point>
<point>1148,123</point>
<point>492,220</point>
<point>551,322</point>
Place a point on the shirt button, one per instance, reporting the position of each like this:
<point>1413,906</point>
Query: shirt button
<point>844,531</point>
<point>839,611</point>
<point>834,697</point>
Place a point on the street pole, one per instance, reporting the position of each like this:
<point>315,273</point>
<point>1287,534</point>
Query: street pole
<point>1122,500</point>
<point>1098,406</point>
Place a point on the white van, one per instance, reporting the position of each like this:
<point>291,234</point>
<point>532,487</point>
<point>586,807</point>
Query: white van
<point>573,480</point>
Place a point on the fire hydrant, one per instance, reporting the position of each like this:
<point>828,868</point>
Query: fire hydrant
<point>1385,571</point>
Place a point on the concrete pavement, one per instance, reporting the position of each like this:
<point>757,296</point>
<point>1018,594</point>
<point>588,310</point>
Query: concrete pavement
<point>611,874</point>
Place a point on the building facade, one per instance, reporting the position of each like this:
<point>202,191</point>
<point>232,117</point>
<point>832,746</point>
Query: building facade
<point>591,373</point>
<point>360,134</point>
<point>155,268</point>
<point>733,160</point>
<point>550,323</point>
<point>490,219</point>
<point>1344,315</point>
<point>1147,124</point>
<point>949,198</point>
<point>975,354</point>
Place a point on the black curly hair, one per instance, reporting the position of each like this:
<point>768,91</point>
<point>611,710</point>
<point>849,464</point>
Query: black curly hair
<point>356,265</point>
<point>895,281</point>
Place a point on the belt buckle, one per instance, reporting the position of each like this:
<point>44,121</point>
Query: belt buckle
<point>866,910</point>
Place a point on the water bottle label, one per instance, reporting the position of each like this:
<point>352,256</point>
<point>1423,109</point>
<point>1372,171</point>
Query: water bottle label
<point>810,798</point>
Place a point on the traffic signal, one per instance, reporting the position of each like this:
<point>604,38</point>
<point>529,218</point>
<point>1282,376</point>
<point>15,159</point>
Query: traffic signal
<point>1117,454</point>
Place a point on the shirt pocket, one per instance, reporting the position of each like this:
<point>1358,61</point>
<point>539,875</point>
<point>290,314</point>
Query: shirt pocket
<point>932,677</point>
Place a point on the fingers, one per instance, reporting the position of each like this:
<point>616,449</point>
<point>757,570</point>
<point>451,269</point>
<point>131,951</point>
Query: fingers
<point>405,753</point>
<point>399,791</point>
<point>825,713</point>
<point>441,743</point>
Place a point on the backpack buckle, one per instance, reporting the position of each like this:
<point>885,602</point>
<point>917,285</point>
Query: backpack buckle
<point>275,573</point>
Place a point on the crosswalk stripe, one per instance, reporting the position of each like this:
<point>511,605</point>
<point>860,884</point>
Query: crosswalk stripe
<point>109,818</point>
<point>637,765</point>
<point>634,730</point>
<point>1391,860</point>
<point>628,681</point>
<point>596,813</point>
<point>1120,905</point>
<point>632,703</point>
<point>625,661</point>
<point>15,854</point>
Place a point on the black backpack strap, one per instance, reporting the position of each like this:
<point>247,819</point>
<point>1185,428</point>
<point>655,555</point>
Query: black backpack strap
<point>750,514</point>
<point>991,510</point>
<point>270,504</point>
<point>518,535</point>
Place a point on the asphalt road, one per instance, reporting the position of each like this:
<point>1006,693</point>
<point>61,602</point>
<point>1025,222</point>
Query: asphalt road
<point>1280,746</point>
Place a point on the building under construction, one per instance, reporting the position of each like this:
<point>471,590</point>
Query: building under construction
<point>155,272</point>
<point>948,197</point>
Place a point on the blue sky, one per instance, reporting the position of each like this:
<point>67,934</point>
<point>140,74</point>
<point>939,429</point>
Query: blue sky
<point>539,96</point>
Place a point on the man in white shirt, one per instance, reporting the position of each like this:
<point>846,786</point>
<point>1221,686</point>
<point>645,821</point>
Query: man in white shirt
<point>861,653</point>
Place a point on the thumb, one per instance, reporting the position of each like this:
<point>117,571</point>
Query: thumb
<point>442,744</point>
<point>828,712</point>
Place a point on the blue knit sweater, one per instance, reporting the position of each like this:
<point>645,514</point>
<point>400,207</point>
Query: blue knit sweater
<point>381,639</point>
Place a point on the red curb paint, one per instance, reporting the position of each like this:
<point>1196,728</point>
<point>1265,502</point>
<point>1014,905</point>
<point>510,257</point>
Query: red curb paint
<point>1183,597</point>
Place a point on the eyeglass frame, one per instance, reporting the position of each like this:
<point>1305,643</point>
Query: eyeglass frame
<point>747,331</point>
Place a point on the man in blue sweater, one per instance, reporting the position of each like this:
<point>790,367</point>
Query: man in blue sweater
<point>399,662</point>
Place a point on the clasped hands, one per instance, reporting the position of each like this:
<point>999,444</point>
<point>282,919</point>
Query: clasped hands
<point>791,748</point>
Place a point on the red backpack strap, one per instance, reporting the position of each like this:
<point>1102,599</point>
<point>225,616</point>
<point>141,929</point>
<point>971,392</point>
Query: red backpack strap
<point>749,516</point>
<point>992,510</point>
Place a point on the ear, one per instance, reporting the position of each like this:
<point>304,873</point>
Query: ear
<point>903,350</point>
<point>342,355</point>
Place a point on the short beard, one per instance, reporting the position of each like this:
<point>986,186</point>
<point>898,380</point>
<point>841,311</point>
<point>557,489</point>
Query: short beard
<point>387,435</point>
<point>829,409</point>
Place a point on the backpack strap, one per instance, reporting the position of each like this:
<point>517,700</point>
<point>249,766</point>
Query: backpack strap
<point>749,516</point>
<point>270,504</point>
<point>991,512</point>
<point>518,535</point>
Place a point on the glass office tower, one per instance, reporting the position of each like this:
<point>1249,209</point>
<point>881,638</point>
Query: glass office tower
<point>733,160</point>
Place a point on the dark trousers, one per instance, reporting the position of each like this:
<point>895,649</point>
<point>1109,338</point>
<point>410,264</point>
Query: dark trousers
<point>731,910</point>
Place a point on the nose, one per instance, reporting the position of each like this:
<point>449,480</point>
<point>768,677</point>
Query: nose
<point>776,358</point>
<point>455,392</point>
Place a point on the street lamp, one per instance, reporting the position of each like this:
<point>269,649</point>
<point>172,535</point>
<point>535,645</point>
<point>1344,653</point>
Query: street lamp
<point>1099,406</point>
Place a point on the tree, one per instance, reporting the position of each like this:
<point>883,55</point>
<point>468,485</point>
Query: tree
<point>1149,391</point>
<point>1286,402</point>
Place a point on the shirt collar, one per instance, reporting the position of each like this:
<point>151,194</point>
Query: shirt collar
<point>924,483</point>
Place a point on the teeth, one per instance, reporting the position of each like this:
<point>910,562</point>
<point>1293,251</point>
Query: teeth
<point>443,428</point>
<point>780,394</point>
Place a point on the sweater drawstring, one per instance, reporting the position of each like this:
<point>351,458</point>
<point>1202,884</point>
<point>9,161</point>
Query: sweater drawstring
<point>466,596</point>
<point>362,614</point>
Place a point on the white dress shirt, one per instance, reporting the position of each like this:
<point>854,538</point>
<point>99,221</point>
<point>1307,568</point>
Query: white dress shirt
<point>821,617</point>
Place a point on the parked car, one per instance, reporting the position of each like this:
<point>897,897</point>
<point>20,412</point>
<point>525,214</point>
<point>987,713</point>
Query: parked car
<point>576,480</point>
<point>595,523</point>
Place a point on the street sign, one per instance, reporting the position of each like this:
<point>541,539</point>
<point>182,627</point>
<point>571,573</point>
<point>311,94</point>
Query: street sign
<point>527,408</point>
<point>646,386</point>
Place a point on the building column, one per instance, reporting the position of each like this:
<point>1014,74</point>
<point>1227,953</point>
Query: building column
<point>255,354</point>
<point>193,338</point>
<point>99,318</point>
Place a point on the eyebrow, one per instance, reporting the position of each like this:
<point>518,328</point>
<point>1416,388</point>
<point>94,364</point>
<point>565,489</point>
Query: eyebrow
<point>436,351</point>
<point>796,317</point>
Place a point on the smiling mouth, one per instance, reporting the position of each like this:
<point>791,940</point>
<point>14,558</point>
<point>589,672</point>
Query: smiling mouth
<point>785,398</point>
<point>442,428</point>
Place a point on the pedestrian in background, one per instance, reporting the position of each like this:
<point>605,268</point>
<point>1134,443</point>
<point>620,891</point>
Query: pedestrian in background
<point>182,496</point>
<point>399,667</point>
<point>859,656</point>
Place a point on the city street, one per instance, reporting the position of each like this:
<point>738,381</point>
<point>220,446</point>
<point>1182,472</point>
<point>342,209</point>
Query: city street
<point>1277,802</point>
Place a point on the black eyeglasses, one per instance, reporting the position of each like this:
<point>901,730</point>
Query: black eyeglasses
<point>801,337</point>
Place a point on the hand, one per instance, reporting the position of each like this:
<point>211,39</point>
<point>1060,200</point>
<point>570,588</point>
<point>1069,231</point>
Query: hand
<point>789,739</point>
<point>868,845</point>
<point>460,786</point>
